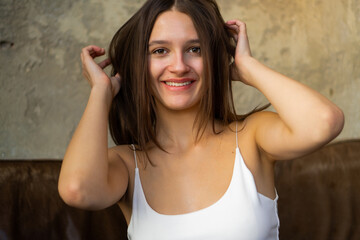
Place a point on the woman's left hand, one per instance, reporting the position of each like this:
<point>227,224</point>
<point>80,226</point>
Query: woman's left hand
<point>238,30</point>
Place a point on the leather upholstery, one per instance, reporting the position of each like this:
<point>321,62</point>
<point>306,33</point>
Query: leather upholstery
<point>319,194</point>
<point>319,198</point>
<point>31,208</point>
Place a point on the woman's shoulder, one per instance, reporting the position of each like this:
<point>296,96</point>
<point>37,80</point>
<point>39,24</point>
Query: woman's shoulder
<point>246,127</point>
<point>124,153</point>
<point>258,118</point>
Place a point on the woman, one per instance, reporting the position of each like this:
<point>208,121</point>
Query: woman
<point>169,104</point>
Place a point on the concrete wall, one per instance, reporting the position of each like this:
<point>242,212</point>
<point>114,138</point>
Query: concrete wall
<point>42,92</point>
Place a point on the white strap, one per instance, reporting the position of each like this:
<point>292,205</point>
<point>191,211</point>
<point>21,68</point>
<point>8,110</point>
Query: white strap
<point>236,133</point>
<point>134,155</point>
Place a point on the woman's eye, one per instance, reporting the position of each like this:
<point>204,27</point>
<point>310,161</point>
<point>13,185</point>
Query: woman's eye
<point>159,51</point>
<point>195,50</point>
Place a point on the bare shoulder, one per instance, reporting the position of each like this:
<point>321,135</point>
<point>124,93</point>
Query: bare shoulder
<point>122,154</point>
<point>260,118</point>
<point>249,125</point>
<point>247,131</point>
<point>256,126</point>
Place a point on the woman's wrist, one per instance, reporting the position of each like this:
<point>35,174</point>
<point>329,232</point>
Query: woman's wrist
<point>103,93</point>
<point>244,67</point>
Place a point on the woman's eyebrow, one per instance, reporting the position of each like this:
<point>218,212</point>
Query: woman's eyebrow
<point>155,42</point>
<point>193,41</point>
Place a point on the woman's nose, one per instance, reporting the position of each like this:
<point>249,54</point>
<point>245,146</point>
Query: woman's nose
<point>179,63</point>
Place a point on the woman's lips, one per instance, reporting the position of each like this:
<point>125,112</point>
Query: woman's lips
<point>178,84</point>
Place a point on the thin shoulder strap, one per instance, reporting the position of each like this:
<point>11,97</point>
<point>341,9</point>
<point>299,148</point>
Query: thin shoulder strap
<point>236,134</point>
<point>134,155</point>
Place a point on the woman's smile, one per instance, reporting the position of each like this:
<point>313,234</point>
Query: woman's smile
<point>179,84</point>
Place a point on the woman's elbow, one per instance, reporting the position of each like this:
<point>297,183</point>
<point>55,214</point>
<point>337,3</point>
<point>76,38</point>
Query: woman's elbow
<point>72,195</point>
<point>336,121</point>
<point>332,123</point>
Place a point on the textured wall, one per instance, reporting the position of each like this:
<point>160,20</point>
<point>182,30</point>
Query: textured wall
<point>42,92</point>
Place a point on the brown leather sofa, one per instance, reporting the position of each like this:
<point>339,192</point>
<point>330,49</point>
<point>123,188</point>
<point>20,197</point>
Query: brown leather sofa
<point>319,199</point>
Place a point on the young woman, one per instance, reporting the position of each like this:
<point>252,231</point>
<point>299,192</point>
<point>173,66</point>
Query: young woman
<point>185,165</point>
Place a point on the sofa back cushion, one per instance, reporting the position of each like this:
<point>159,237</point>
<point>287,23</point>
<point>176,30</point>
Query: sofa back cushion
<point>319,194</point>
<point>31,207</point>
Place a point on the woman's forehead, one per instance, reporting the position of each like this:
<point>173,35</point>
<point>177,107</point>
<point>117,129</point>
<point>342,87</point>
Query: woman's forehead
<point>173,24</point>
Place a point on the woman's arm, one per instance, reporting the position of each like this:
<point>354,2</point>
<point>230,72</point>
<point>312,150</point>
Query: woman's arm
<point>305,119</point>
<point>92,176</point>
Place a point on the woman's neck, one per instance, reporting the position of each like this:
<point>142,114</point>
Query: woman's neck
<point>176,129</point>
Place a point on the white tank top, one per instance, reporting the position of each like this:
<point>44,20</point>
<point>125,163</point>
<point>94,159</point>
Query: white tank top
<point>241,213</point>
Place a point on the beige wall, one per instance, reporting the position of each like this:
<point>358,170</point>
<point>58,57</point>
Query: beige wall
<point>42,92</point>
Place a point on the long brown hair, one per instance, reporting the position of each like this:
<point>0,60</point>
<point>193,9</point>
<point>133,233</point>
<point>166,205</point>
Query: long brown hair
<point>132,117</point>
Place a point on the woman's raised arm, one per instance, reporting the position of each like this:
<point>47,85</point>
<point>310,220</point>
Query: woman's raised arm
<point>92,176</point>
<point>305,121</point>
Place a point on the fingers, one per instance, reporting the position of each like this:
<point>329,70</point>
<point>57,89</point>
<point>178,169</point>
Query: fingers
<point>237,28</point>
<point>233,33</point>
<point>116,83</point>
<point>94,72</point>
<point>104,63</point>
<point>92,51</point>
<point>237,25</point>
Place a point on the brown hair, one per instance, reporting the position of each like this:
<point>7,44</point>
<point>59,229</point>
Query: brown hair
<point>132,117</point>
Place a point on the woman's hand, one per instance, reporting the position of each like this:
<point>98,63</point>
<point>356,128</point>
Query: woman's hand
<point>94,72</point>
<point>242,52</point>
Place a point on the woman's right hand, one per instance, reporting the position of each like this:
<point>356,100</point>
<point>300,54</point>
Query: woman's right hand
<point>94,72</point>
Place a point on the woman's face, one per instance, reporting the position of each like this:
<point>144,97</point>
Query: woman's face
<point>175,61</point>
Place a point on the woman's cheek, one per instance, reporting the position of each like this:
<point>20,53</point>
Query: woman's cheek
<point>157,67</point>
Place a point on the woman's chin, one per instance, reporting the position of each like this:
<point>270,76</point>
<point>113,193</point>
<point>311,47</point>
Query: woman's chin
<point>181,105</point>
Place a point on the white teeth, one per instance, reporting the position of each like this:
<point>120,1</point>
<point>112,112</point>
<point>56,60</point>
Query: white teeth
<point>174,84</point>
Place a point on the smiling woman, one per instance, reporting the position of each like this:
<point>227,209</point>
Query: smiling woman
<point>169,103</point>
<point>154,29</point>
